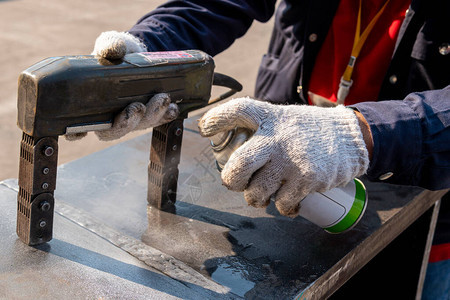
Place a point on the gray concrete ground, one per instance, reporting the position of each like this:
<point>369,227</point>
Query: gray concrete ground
<point>33,30</point>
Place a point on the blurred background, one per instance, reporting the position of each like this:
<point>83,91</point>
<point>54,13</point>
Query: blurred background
<point>34,30</point>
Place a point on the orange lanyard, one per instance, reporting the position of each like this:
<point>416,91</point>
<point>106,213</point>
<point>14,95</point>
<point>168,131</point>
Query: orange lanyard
<point>360,39</point>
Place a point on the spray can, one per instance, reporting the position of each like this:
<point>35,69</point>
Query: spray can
<point>336,211</point>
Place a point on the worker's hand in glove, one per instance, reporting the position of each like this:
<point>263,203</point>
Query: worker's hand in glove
<point>137,116</point>
<point>115,45</point>
<point>295,150</point>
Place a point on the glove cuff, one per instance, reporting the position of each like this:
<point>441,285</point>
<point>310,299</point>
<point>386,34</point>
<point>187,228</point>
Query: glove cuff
<point>351,149</point>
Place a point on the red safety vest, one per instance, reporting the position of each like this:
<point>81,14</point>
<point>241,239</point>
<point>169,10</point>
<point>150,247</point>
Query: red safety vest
<point>373,60</point>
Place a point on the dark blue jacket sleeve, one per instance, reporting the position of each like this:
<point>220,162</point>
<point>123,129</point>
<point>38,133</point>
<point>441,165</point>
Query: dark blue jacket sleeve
<point>208,25</point>
<point>411,139</point>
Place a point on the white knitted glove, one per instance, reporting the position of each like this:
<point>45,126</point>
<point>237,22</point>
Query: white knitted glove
<point>295,150</point>
<point>137,116</point>
<point>114,45</point>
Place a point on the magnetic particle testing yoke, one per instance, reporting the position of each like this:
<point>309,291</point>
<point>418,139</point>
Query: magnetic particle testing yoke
<point>74,94</point>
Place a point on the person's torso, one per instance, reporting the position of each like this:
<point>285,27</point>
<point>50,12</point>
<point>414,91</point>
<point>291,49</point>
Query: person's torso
<point>301,28</point>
